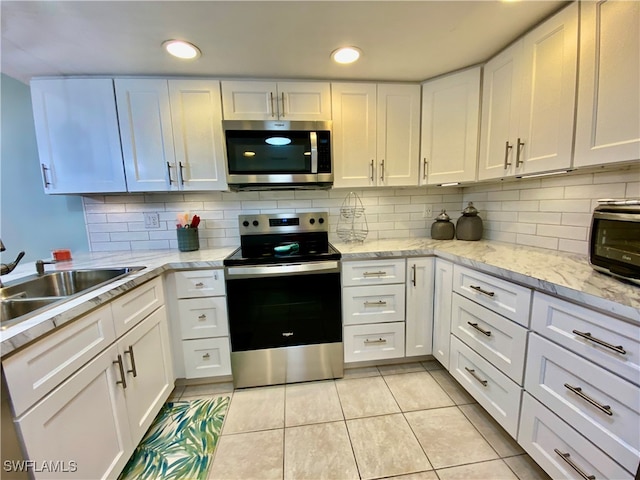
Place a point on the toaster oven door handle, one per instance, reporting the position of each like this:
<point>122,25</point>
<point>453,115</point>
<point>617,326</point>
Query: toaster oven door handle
<point>314,151</point>
<point>627,217</point>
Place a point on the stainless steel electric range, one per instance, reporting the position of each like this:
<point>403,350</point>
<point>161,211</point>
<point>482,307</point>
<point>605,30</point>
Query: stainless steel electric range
<point>284,301</point>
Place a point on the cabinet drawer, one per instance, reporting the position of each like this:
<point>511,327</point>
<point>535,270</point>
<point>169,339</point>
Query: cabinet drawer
<point>501,341</point>
<point>571,386</point>
<point>373,272</point>
<point>542,433</point>
<point>203,317</point>
<point>499,395</point>
<point>501,296</point>
<point>373,342</point>
<point>579,329</point>
<point>200,283</point>
<point>36,370</point>
<point>376,303</point>
<point>135,305</point>
<point>207,357</point>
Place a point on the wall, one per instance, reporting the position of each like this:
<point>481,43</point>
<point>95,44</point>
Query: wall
<point>552,212</point>
<point>29,219</point>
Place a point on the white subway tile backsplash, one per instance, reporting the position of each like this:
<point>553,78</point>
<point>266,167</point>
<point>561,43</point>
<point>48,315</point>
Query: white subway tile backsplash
<point>542,193</point>
<point>521,206</point>
<point>561,231</point>
<point>537,241</point>
<point>573,246</point>
<point>603,190</point>
<point>540,217</point>
<point>503,195</point>
<point>577,219</point>
<point>565,206</point>
<point>125,236</point>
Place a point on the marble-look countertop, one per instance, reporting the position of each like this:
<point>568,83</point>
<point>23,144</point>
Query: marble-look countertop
<point>566,275</point>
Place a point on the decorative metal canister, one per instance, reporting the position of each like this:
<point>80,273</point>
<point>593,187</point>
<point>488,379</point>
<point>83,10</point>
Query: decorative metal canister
<point>469,226</point>
<point>442,228</point>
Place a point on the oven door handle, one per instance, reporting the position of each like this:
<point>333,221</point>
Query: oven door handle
<point>283,269</point>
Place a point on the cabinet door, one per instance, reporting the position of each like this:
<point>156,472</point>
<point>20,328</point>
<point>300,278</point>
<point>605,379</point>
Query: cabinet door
<point>84,420</point>
<point>419,307</point>
<point>443,285</point>
<point>77,133</point>
<point>608,118</point>
<point>398,132</point>
<point>148,370</point>
<point>500,108</point>
<point>545,134</point>
<point>196,114</point>
<point>354,134</point>
<point>450,128</point>
<point>249,100</point>
<point>304,100</point>
<point>147,137</point>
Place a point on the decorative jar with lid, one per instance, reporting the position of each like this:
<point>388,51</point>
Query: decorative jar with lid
<point>442,228</point>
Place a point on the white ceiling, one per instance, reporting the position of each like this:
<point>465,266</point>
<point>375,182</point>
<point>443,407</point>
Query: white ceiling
<point>401,40</point>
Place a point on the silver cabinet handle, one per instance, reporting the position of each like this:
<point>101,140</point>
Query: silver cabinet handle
<point>181,173</point>
<point>202,317</point>
<point>587,335</point>
<point>565,457</point>
<point>518,151</point>
<point>374,274</point>
<point>473,374</point>
<point>273,112</point>
<point>507,147</point>
<point>282,113</point>
<point>475,325</point>
<point>424,168</point>
<point>199,285</point>
<point>44,175</point>
<point>122,380</point>
<point>169,173</point>
<point>578,391</point>
<point>287,334</point>
<point>380,340</point>
<point>413,280</point>
<point>382,170</point>
<point>479,289</point>
<point>215,275</point>
<point>206,356</point>
<point>133,361</point>
<point>379,303</point>
<point>372,170</point>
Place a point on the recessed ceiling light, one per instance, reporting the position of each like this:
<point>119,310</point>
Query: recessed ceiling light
<point>181,49</point>
<point>346,55</point>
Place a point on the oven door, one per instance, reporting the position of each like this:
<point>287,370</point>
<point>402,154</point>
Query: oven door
<point>275,306</point>
<point>615,244</point>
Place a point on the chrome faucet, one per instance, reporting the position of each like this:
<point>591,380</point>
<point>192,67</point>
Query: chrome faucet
<point>8,267</point>
<point>40,265</point>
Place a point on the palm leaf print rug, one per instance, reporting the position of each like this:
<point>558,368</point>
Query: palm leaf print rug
<point>180,442</point>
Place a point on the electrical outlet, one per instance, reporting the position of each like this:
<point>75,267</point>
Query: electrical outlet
<point>151,220</point>
<point>428,211</point>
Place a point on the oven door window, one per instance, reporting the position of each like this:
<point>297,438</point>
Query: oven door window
<point>272,312</point>
<point>256,153</point>
<point>618,242</point>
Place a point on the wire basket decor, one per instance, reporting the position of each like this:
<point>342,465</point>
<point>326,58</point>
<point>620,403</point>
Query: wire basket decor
<point>352,224</point>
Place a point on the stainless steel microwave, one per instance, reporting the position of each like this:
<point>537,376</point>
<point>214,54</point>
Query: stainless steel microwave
<point>614,245</point>
<point>271,155</point>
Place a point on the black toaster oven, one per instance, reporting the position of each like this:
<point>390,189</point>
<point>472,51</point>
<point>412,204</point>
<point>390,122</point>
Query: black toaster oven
<point>614,245</point>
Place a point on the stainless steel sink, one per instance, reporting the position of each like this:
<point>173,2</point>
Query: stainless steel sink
<point>28,296</point>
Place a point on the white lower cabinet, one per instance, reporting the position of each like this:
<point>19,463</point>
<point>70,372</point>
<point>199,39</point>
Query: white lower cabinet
<point>373,342</point>
<point>443,284</point>
<point>207,357</point>
<point>419,307</point>
<point>373,303</point>
<point>559,449</point>
<point>498,394</point>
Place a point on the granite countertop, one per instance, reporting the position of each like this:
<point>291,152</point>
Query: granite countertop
<point>567,275</point>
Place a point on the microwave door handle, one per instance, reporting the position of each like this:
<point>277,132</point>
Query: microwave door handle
<point>314,152</point>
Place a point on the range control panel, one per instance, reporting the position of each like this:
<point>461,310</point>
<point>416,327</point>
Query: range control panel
<point>261,224</point>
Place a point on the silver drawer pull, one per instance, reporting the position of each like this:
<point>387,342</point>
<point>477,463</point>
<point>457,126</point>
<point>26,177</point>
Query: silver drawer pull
<point>587,336</point>
<point>475,325</point>
<point>199,285</point>
<point>379,303</point>
<point>473,374</point>
<point>578,391</point>
<point>380,340</point>
<point>287,334</point>
<point>133,361</point>
<point>479,289</point>
<point>374,274</point>
<point>206,356</point>
<point>202,317</point>
<point>122,381</point>
<point>565,457</point>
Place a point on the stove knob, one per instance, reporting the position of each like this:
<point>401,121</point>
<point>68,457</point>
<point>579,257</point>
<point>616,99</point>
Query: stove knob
<point>312,221</point>
<point>256,223</point>
<point>245,223</point>
<point>321,220</point>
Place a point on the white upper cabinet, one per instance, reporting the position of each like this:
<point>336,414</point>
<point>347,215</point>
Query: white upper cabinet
<point>255,100</point>
<point>77,133</point>
<point>171,134</point>
<point>608,119</point>
<point>450,128</point>
<point>376,131</point>
<point>528,101</point>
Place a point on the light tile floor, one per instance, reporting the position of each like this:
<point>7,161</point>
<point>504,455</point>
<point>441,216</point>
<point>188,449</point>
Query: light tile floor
<point>411,421</point>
